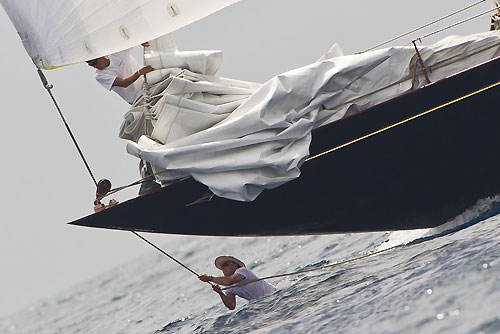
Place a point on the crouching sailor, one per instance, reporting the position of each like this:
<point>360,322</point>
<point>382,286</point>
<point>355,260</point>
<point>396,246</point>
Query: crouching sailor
<point>236,277</point>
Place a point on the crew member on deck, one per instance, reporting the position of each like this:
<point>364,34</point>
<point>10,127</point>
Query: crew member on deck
<point>121,73</point>
<point>236,275</point>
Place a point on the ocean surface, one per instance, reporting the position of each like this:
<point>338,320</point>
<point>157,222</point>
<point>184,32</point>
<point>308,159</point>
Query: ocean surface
<point>431,282</point>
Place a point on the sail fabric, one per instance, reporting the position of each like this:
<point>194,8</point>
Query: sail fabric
<point>265,140</point>
<point>182,96</point>
<point>63,32</point>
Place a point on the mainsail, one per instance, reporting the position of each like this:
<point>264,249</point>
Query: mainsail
<point>61,32</point>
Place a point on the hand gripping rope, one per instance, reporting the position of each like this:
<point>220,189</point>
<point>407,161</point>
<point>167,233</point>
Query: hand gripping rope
<point>273,276</point>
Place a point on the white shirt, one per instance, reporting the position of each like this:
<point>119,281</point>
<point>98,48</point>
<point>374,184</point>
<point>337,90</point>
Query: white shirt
<point>252,290</point>
<point>121,64</point>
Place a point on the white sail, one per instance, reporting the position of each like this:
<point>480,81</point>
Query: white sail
<point>62,32</point>
<point>264,141</point>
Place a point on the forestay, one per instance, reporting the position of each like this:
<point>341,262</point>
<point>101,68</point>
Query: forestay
<point>62,32</point>
<point>264,141</point>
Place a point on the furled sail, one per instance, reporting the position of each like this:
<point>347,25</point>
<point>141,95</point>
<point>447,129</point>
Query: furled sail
<point>62,32</point>
<point>264,141</point>
<point>181,97</point>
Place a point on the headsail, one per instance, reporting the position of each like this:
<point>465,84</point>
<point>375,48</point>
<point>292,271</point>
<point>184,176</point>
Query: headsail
<point>60,32</point>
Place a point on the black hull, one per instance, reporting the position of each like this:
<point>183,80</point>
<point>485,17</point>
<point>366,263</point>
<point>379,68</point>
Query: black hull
<point>418,174</point>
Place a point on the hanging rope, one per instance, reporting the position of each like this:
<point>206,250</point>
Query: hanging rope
<point>48,87</point>
<point>274,276</point>
<point>168,255</point>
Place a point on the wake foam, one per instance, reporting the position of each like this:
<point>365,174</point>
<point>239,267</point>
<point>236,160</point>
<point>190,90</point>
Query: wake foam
<point>483,209</point>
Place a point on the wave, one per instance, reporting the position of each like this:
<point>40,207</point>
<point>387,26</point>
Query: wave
<point>482,210</point>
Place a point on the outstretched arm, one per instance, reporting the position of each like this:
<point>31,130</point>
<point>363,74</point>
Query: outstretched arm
<point>223,280</point>
<point>125,82</point>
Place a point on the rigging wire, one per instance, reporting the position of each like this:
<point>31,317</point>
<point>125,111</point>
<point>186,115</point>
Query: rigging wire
<point>458,23</point>
<point>424,26</point>
<point>48,87</point>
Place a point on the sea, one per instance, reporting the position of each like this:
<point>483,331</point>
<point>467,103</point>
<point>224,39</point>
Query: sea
<point>442,280</point>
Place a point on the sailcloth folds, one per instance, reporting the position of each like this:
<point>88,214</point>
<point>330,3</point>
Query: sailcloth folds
<point>63,32</point>
<point>263,142</point>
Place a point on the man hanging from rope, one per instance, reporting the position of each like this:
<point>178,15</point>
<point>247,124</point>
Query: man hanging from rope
<point>120,73</point>
<point>236,275</point>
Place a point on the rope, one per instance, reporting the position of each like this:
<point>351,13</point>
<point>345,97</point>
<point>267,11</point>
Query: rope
<point>458,23</point>
<point>423,26</point>
<point>149,177</point>
<point>117,189</point>
<point>48,87</point>
<point>273,276</point>
<point>316,269</point>
<point>437,65</point>
<point>403,121</point>
<point>166,254</point>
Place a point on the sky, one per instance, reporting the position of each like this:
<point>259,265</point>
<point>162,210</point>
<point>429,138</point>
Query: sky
<point>43,180</point>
